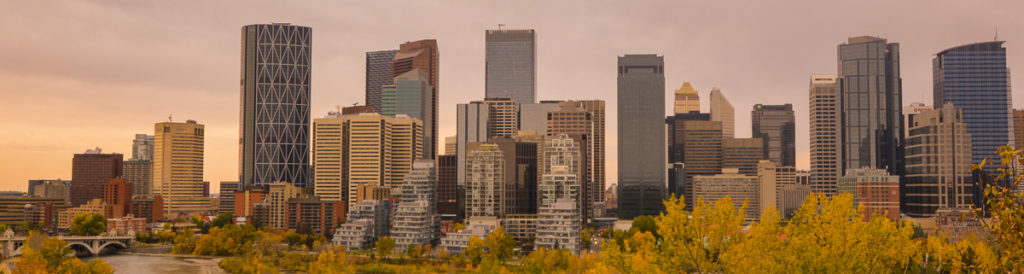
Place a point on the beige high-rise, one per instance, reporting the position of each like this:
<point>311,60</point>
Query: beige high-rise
<point>573,120</point>
<point>363,148</point>
<point>938,161</point>
<point>772,179</point>
<point>722,110</point>
<point>597,111</point>
<point>178,166</point>
<point>277,201</point>
<point>686,99</point>
<point>503,117</point>
<point>825,153</point>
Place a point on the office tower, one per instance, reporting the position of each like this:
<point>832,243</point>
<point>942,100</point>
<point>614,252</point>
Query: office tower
<point>534,116</point>
<point>777,126</point>
<point>871,95</point>
<point>410,95</point>
<point>975,79</point>
<point>773,180</point>
<point>938,163</point>
<point>686,99</point>
<point>578,123</point>
<point>909,111</point>
<point>117,193</point>
<point>378,73</point>
<point>519,175</point>
<point>702,154</point>
<point>641,100</point>
<point>485,181</point>
<point>363,148</point>
<point>503,117</point>
<point>874,188</point>
<point>451,144</point>
<point>422,55</point>
<point>278,195</point>
<point>472,126</point>
<point>89,171</point>
<point>741,188</point>
<point>743,154</point>
<point>139,174</point>
<point>559,225</point>
<point>59,189</point>
<point>178,166</point>
<point>721,110</point>
<point>274,126</point>
<point>416,220</point>
<point>142,147</point>
<point>511,65</point>
<point>676,133</point>
<point>448,198</point>
<point>1018,127</point>
<point>597,153</point>
<point>227,196</point>
<point>824,111</point>
<point>149,207</point>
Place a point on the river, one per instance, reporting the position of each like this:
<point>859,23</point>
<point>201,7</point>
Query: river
<point>157,264</point>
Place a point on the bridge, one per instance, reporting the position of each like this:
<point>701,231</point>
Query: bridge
<point>83,245</point>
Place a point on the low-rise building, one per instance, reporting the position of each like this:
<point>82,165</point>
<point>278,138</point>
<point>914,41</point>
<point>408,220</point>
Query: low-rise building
<point>319,216</point>
<point>365,222</point>
<point>522,227</point>
<point>878,191</point>
<point>740,188</point>
<point>457,242</point>
<point>127,224</point>
<point>94,206</point>
<point>558,226</point>
<point>149,207</point>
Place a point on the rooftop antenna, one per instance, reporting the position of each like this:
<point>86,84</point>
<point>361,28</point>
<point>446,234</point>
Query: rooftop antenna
<point>500,25</point>
<point>169,117</point>
<point>337,108</point>
<point>997,34</point>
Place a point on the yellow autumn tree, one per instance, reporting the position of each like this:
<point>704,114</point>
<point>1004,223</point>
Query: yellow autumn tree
<point>695,241</point>
<point>1005,205</point>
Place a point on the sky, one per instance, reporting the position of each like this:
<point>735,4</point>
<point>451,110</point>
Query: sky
<point>82,74</point>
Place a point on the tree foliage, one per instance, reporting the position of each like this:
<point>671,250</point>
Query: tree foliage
<point>385,245</point>
<point>500,244</point>
<point>88,224</point>
<point>1005,205</point>
<point>43,254</point>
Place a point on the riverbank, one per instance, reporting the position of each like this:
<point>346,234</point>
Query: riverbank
<point>155,263</point>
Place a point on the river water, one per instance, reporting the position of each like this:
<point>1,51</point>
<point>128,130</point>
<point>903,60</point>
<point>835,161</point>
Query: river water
<point>144,264</point>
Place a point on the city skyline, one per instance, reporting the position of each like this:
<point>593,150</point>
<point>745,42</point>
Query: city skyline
<point>97,89</point>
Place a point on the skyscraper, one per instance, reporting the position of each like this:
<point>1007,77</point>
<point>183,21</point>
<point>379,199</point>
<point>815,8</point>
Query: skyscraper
<point>511,65</point>
<point>378,74</point>
<point>411,95</point>
<point>871,98</point>
<point>777,126</point>
<point>702,154</point>
<point>578,123</point>
<point>1018,127</point>
<point>938,163</point>
<point>178,166</point>
<point>365,148</point>
<point>485,181</point>
<point>721,110</point>
<point>142,147</point>
<point>503,117</point>
<point>423,55</point>
<point>597,115</point>
<point>472,126</point>
<point>825,116</point>
<point>535,116</point>
<point>275,88</point>
<point>975,79</point>
<point>641,133</point>
<point>686,99</point>
<point>89,171</point>
<point>139,173</point>
<point>448,198</point>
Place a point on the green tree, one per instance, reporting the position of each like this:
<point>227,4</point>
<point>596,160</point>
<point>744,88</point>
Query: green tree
<point>475,250</point>
<point>645,224</point>
<point>414,251</point>
<point>88,224</point>
<point>499,244</point>
<point>223,219</point>
<point>384,246</point>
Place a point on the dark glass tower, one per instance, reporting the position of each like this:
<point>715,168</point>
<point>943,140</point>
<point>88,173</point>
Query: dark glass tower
<point>378,73</point>
<point>512,65</point>
<point>641,114</point>
<point>975,79</point>
<point>872,108</point>
<point>275,97</point>
<point>776,125</point>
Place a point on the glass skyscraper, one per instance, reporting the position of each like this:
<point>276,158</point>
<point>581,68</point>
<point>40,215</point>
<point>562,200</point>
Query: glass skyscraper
<point>641,112</point>
<point>975,79</point>
<point>871,99</point>
<point>275,89</point>
<point>378,74</point>
<point>776,125</point>
<point>512,65</point>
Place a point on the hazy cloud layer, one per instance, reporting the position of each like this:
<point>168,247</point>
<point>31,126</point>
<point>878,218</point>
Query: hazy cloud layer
<point>80,74</point>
